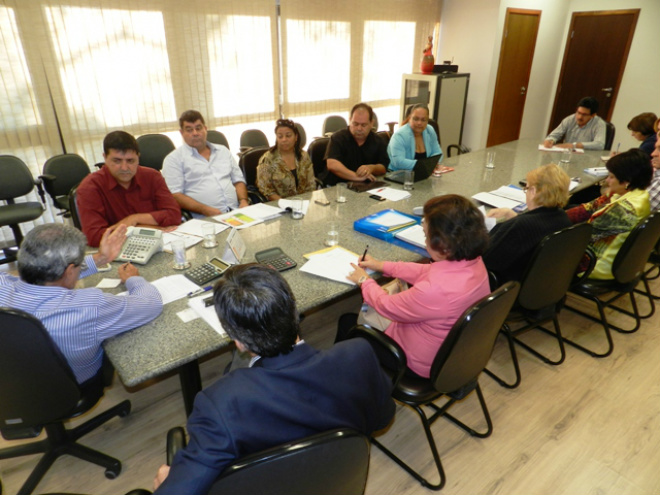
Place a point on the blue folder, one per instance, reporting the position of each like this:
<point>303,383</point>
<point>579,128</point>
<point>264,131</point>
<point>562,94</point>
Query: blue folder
<point>369,225</point>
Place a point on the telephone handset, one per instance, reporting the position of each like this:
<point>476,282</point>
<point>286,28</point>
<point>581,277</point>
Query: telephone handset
<point>140,245</point>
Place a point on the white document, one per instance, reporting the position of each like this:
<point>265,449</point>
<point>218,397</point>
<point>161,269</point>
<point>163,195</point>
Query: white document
<point>390,193</point>
<point>489,221</point>
<point>194,227</point>
<point>108,283</point>
<point>392,219</point>
<point>333,264</point>
<point>249,216</point>
<point>287,203</point>
<point>573,184</point>
<point>504,197</point>
<point>597,171</point>
<point>414,235</point>
<point>198,304</point>
<point>558,149</point>
<point>188,240</point>
<point>174,287</point>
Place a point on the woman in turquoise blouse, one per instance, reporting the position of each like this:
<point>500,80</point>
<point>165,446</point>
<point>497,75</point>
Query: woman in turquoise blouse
<point>413,141</point>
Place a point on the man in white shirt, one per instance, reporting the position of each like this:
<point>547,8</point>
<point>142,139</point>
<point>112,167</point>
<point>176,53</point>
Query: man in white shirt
<point>203,177</point>
<point>584,130</point>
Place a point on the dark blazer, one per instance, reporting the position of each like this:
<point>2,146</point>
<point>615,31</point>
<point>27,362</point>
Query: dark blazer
<point>278,400</point>
<point>513,242</point>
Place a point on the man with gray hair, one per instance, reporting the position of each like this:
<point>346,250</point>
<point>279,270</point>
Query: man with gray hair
<point>50,262</point>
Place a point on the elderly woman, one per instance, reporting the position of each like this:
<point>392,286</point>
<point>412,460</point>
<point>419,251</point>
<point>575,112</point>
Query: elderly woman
<point>513,242</point>
<point>616,213</point>
<point>413,141</point>
<point>642,129</point>
<point>285,169</point>
<point>456,278</point>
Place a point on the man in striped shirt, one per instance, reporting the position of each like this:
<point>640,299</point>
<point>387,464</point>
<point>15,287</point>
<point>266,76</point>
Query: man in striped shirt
<point>50,262</point>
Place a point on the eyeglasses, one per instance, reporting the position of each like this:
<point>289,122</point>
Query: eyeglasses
<point>285,123</point>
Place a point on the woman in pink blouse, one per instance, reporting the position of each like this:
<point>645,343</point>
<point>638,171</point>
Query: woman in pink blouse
<point>441,291</point>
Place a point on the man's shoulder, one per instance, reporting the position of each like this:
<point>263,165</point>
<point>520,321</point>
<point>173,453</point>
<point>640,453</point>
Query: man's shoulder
<point>94,180</point>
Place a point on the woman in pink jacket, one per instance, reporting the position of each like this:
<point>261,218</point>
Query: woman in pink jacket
<point>441,291</point>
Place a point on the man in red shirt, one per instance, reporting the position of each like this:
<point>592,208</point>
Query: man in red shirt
<point>122,192</point>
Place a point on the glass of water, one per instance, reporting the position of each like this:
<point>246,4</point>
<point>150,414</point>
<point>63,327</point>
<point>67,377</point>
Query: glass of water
<point>408,180</point>
<point>297,208</point>
<point>332,236</point>
<point>490,159</point>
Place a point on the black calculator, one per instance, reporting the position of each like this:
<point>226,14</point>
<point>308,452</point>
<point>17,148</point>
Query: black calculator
<point>208,271</point>
<point>276,259</point>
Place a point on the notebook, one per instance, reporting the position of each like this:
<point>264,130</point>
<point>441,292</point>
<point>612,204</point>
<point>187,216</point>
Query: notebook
<point>365,186</point>
<point>423,169</point>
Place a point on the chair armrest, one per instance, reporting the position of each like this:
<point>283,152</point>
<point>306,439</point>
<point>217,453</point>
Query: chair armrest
<point>389,353</point>
<point>585,268</point>
<point>40,190</point>
<point>176,440</point>
<point>186,215</point>
<point>255,196</point>
<point>139,491</point>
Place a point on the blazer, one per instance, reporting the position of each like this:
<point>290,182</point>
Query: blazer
<point>401,148</point>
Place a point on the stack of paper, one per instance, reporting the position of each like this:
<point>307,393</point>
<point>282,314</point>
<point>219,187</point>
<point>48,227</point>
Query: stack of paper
<point>390,193</point>
<point>332,263</point>
<point>198,304</point>
<point>558,149</point>
<point>414,235</point>
<point>190,232</point>
<point>504,197</point>
<point>597,171</point>
<point>250,215</point>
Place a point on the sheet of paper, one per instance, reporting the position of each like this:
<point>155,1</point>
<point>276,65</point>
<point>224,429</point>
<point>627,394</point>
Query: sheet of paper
<point>414,235</point>
<point>108,283</point>
<point>248,216</point>
<point>495,200</point>
<point>187,315</point>
<point>287,203</point>
<point>390,219</point>
<point>558,149</point>
<point>573,184</point>
<point>207,313</point>
<point>188,240</point>
<point>333,264</point>
<point>194,227</point>
<point>390,193</point>
<point>174,287</point>
<point>511,192</point>
<point>490,222</point>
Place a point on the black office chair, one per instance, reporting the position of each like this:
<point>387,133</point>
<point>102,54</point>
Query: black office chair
<point>16,181</point>
<point>253,138</point>
<point>460,149</point>
<point>328,463</point>
<point>454,373</point>
<point>654,261</point>
<point>610,131</point>
<point>217,137</point>
<point>303,135</point>
<point>60,174</point>
<point>39,390</point>
<point>333,123</point>
<point>374,122</point>
<point>153,150</point>
<point>434,124</point>
<point>628,270</point>
<point>385,136</point>
<point>543,288</point>
<point>73,208</point>
<point>248,163</point>
<point>316,150</point>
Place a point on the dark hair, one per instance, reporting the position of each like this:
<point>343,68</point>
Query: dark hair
<point>643,123</point>
<point>633,167</point>
<point>455,227</point>
<point>589,102</point>
<point>362,106</point>
<point>120,141</point>
<point>48,250</point>
<point>256,306</point>
<point>190,116</point>
<point>289,124</point>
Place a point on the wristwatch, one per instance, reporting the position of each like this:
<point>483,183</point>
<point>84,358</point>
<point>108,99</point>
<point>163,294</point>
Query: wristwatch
<point>361,280</point>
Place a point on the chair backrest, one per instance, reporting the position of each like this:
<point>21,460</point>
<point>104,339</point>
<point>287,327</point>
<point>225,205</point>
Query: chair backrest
<point>73,208</point>
<point>16,178</point>
<point>384,135</point>
<point>469,344</point>
<point>253,138</point>
<point>629,263</point>
<point>68,169</point>
<point>460,149</point>
<point>374,123</point>
<point>153,150</point>
<point>552,266</point>
<point>303,135</point>
<point>434,124</point>
<point>37,385</point>
<point>610,131</point>
<point>248,164</point>
<point>316,150</point>
<point>217,137</point>
<point>333,123</point>
<point>330,463</point>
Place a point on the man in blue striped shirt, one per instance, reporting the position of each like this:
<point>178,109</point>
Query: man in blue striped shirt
<point>50,262</point>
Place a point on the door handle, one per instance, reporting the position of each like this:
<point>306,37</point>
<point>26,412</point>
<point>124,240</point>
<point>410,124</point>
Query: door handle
<point>607,89</point>
<point>522,90</point>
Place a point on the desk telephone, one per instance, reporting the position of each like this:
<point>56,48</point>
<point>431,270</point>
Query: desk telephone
<point>140,245</point>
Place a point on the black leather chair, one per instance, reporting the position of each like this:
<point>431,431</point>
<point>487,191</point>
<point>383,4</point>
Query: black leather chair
<point>248,162</point>
<point>454,373</point>
<point>333,123</point>
<point>434,124</point>
<point>253,138</point>
<point>60,174</point>
<point>39,390</point>
<point>153,150</point>
<point>460,149</point>
<point>543,289</point>
<point>73,207</point>
<point>329,463</point>
<point>610,131</point>
<point>628,270</point>
<point>217,137</point>
<point>652,273</point>
<point>385,136</point>
<point>316,150</point>
<point>303,135</point>
<point>15,181</point>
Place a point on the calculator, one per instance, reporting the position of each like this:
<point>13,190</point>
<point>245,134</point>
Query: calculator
<point>276,259</point>
<point>208,271</point>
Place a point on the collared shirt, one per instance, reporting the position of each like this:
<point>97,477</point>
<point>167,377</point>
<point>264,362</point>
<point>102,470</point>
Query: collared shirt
<point>210,182</point>
<point>79,320</point>
<point>343,148</point>
<point>654,191</point>
<point>591,135</point>
<point>103,202</point>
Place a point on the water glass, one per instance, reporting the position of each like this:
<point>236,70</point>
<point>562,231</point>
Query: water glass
<point>565,158</point>
<point>332,237</point>
<point>208,231</point>
<point>408,179</point>
<point>179,251</point>
<point>297,208</point>
<point>490,159</point>
<point>341,192</point>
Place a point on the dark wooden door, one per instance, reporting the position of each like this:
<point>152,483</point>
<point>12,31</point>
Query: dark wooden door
<point>594,60</point>
<point>516,55</point>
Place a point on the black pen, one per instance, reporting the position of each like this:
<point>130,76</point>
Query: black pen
<point>365,252</point>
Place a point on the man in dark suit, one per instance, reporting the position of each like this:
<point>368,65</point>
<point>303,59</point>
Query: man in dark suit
<point>289,391</point>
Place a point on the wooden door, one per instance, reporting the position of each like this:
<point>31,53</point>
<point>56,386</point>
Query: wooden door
<point>594,60</point>
<point>516,55</point>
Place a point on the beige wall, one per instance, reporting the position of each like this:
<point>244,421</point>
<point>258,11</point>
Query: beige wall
<point>471,32</point>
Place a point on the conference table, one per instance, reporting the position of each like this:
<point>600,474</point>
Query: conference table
<point>168,344</point>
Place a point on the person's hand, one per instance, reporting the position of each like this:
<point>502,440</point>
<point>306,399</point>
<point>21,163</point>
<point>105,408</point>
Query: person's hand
<point>163,471</point>
<point>363,170</point>
<point>564,145</point>
<point>506,213</point>
<point>243,203</point>
<point>110,245</point>
<point>129,221</point>
<point>358,273</point>
<point>371,263</point>
<point>548,143</point>
<point>126,271</point>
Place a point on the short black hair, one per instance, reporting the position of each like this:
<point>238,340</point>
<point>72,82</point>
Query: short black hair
<point>191,116</point>
<point>120,141</point>
<point>256,306</point>
<point>633,167</point>
<point>362,106</point>
<point>455,227</point>
<point>589,102</point>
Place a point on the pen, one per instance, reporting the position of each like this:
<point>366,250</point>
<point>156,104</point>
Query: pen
<point>617,147</point>
<point>199,291</point>
<point>365,252</point>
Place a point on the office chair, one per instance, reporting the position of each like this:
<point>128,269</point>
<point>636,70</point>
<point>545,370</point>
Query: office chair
<point>374,123</point>
<point>60,174</point>
<point>217,137</point>
<point>248,163</point>
<point>17,181</point>
<point>316,150</point>
<point>628,270</point>
<point>39,390</point>
<point>73,207</point>
<point>253,138</point>
<point>460,149</point>
<point>454,373</point>
<point>328,463</point>
<point>610,131</point>
<point>385,136</point>
<point>303,135</point>
<point>153,150</point>
<point>333,123</point>
<point>543,288</point>
<point>435,127</point>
